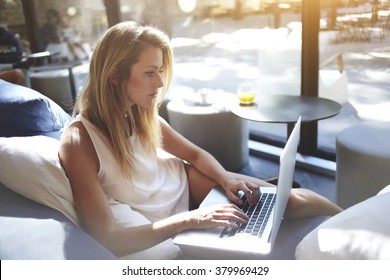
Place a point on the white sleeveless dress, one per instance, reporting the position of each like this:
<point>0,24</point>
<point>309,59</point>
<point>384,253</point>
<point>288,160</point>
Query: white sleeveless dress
<point>159,191</point>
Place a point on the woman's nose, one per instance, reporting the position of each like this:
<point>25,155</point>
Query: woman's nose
<point>160,81</point>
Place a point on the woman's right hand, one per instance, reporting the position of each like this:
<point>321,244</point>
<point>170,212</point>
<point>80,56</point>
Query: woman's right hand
<point>217,215</point>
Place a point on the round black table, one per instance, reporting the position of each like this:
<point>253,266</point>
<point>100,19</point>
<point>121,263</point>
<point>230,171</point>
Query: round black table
<point>287,109</point>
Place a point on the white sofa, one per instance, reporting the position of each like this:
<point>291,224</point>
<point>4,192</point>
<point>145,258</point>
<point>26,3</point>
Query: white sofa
<point>30,229</point>
<point>362,231</point>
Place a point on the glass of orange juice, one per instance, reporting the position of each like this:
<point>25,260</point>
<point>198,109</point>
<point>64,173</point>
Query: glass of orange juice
<point>246,93</point>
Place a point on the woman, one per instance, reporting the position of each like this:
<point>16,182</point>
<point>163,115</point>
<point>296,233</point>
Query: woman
<point>127,195</point>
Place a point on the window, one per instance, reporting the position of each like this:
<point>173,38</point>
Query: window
<point>355,32</point>
<point>219,43</point>
<point>80,22</point>
<point>87,18</point>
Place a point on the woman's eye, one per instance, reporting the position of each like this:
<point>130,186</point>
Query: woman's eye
<point>149,74</point>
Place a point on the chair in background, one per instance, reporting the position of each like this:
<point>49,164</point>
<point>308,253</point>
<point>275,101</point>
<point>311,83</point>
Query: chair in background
<point>61,82</point>
<point>214,128</point>
<point>23,63</point>
<point>363,162</point>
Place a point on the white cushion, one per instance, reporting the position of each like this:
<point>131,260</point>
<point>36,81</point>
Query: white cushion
<point>359,232</point>
<point>30,166</point>
<point>384,190</point>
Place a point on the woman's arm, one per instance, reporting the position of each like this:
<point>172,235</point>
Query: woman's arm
<point>179,146</point>
<point>80,162</point>
<point>302,202</point>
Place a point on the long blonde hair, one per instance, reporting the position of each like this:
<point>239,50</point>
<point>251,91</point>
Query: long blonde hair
<point>102,102</point>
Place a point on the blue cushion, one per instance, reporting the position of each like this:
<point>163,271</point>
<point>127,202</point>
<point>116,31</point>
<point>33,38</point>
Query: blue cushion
<point>26,112</point>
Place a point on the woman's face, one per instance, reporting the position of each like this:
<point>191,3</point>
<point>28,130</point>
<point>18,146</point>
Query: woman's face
<point>145,78</point>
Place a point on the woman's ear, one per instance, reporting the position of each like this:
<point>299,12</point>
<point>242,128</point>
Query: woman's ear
<point>114,77</point>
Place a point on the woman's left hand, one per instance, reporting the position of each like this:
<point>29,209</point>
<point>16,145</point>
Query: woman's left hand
<point>250,189</point>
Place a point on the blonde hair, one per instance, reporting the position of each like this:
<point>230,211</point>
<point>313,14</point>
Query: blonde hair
<point>103,103</point>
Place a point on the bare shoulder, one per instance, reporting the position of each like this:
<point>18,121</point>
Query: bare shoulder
<point>73,132</point>
<point>76,147</point>
<point>166,129</point>
<point>163,122</point>
<point>176,144</point>
<point>75,137</point>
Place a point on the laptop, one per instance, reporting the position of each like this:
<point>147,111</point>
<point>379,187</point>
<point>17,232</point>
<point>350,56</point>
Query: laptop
<point>258,236</point>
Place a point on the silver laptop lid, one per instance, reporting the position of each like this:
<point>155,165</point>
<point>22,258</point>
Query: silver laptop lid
<point>206,243</point>
<point>286,176</point>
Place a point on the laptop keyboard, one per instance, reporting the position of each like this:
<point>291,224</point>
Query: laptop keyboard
<point>258,217</point>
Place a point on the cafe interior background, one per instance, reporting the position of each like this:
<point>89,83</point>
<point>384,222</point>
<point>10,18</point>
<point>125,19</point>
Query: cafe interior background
<point>339,46</point>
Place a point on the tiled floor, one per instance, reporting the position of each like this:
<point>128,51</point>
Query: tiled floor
<point>266,168</point>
